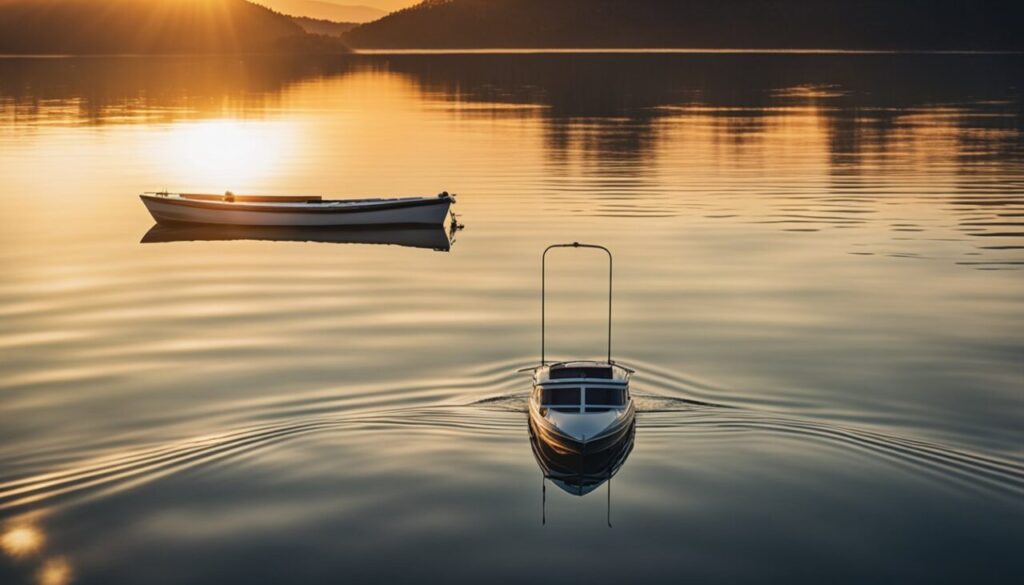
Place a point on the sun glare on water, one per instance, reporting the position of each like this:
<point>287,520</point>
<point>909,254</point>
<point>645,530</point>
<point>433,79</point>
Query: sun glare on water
<point>21,540</point>
<point>224,154</point>
<point>54,572</point>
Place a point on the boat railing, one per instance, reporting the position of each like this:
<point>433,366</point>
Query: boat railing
<point>543,292</point>
<point>590,382</point>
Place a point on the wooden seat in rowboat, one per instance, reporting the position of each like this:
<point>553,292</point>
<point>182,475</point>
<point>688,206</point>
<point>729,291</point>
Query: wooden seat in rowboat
<point>255,198</point>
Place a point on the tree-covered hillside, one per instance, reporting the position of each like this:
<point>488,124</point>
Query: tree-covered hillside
<point>828,24</point>
<point>150,26</point>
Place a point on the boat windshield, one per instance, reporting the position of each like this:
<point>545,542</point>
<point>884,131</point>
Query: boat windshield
<point>571,399</point>
<point>560,397</point>
<point>596,372</point>
<point>605,397</point>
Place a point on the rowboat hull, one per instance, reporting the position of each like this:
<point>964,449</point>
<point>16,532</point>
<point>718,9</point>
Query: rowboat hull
<point>408,211</point>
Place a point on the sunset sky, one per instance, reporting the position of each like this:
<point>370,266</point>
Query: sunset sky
<point>382,4</point>
<point>351,10</point>
<point>387,5</point>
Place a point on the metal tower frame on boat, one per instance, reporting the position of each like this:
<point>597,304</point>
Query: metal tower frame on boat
<point>543,293</point>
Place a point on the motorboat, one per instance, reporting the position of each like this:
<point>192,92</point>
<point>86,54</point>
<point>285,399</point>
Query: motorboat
<point>582,406</point>
<point>295,210</point>
<point>430,237</point>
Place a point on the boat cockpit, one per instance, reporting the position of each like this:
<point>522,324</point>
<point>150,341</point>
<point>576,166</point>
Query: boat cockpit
<point>582,387</point>
<point>582,399</point>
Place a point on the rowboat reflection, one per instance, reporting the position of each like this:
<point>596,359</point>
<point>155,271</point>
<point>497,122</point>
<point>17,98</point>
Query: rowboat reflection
<point>434,237</point>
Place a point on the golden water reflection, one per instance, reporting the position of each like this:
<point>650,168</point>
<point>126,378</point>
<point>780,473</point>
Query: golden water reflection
<point>25,542</point>
<point>21,540</point>
<point>56,571</point>
<point>223,152</point>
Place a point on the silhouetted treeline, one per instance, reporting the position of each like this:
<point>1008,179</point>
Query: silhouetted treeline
<point>826,24</point>
<point>150,26</point>
<point>323,27</point>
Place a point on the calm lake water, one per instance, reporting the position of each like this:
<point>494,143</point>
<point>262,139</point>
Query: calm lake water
<point>818,280</point>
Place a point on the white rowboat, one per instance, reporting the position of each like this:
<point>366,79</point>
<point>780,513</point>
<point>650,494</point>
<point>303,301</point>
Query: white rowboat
<point>289,210</point>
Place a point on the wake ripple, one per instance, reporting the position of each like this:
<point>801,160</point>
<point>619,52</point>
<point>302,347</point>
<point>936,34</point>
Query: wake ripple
<point>501,412</point>
<point>114,473</point>
<point>968,469</point>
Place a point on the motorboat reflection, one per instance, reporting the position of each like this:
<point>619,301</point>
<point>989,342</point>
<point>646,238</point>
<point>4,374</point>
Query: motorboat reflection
<point>579,473</point>
<point>434,237</point>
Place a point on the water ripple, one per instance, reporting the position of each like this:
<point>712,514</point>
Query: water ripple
<point>500,412</point>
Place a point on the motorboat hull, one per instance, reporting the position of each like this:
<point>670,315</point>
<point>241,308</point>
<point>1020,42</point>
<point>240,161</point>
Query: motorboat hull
<point>405,211</point>
<point>582,423</point>
<point>568,444</point>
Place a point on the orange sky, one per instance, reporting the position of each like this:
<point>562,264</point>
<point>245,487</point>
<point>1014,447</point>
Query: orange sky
<point>388,5</point>
<point>315,8</point>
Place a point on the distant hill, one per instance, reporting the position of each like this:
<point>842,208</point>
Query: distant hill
<point>825,24</point>
<point>324,10</point>
<point>324,27</point>
<point>151,26</point>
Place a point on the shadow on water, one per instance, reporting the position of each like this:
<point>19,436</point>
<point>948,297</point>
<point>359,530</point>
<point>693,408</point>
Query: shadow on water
<point>435,238</point>
<point>862,98</point>
<point>146,90</point>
